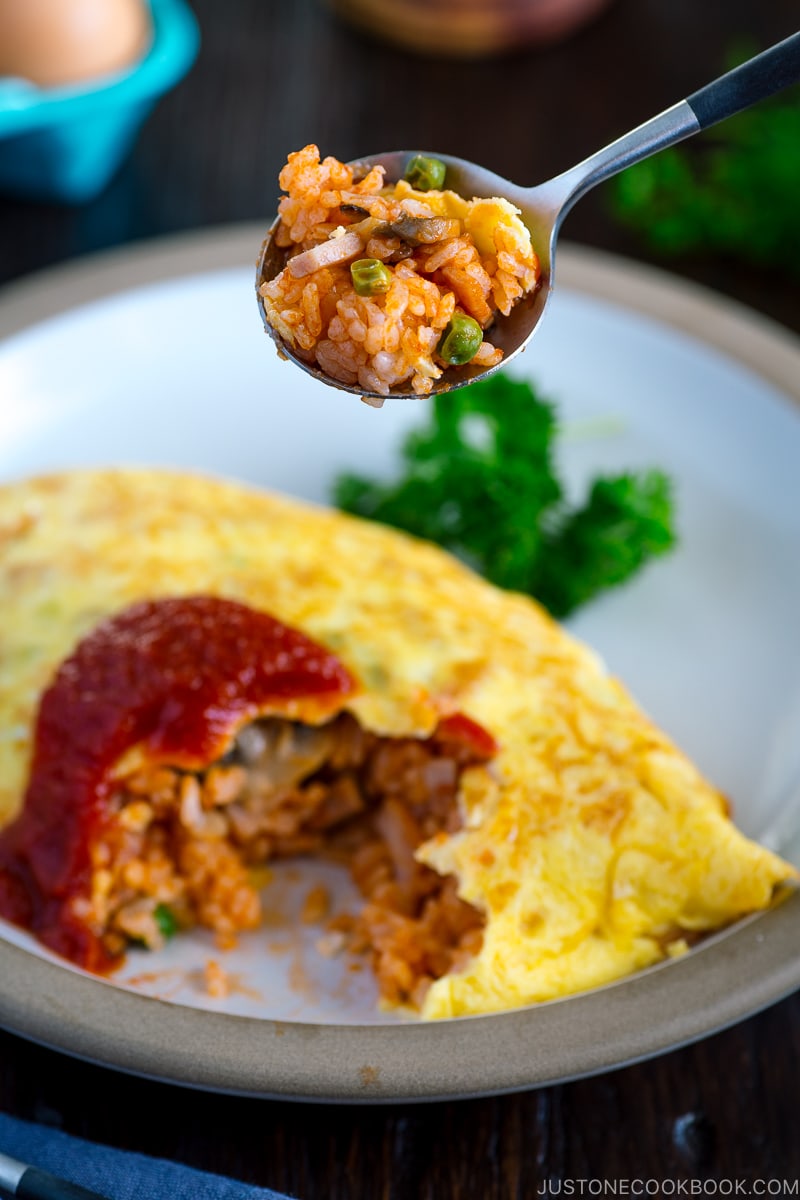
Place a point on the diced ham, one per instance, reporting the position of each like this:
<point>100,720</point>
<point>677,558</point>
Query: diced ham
<point>335,250</point>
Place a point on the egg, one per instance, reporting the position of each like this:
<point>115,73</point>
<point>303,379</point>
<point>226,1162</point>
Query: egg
<point>589,844</point>
<point>492,223</point>
<point>56,42</point>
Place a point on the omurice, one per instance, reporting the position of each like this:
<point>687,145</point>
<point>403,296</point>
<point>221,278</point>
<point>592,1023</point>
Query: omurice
<point>197,678</point>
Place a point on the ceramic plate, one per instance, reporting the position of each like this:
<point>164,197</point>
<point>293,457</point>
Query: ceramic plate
<point>156,355</point>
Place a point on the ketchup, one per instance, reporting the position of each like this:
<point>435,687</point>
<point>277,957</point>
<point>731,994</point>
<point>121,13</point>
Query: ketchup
<point>178,676</point>
<point>461,729</point>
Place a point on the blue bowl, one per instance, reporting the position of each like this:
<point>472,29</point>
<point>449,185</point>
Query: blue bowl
<point>65,143</point>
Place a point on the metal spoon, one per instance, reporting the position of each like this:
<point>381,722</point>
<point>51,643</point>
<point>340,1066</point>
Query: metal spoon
<point>544,207</point>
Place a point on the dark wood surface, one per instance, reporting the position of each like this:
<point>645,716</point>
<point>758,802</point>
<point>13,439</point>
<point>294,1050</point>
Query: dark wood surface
<point>269,79</point>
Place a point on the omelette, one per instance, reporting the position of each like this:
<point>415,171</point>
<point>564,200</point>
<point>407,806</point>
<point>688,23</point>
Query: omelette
<point>198,678</point>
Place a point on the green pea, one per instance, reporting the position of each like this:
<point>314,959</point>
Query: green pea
<point>370,277</point>
<point>460,341</point>
<point>165,920</point>
<point>425,173</point>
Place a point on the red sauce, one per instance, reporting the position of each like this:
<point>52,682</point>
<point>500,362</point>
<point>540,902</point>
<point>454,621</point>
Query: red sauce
<point>178,676</point>
<point>462,730</point>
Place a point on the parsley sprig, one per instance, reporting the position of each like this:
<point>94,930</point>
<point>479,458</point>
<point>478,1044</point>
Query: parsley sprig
<point>480,480</point>
<point>733,192</point>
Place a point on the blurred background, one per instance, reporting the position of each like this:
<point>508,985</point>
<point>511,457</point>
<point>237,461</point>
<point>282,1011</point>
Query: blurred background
<point>527,87</point>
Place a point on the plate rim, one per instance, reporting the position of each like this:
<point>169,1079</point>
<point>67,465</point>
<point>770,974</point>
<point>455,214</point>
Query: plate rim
<point>733,975</point>
<point>754,340</point>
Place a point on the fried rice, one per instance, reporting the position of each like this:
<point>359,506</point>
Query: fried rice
<point>446,255</point>
<point>183,847</point>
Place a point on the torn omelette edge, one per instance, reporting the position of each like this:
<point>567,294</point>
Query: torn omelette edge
<point>591,843</point>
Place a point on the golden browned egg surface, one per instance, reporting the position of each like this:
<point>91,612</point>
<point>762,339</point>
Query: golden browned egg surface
<point>590,842</point>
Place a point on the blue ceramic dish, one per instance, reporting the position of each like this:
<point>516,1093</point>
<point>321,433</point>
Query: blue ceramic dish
<point>65,143</point>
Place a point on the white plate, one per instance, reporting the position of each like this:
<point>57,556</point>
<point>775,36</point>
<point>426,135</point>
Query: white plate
<point>157,355</point>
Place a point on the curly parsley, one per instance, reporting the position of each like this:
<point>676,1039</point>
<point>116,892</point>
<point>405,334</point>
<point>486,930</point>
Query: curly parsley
<point>480,480</point>
<point>732,192</point>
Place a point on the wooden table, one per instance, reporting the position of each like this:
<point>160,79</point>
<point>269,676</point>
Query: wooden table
<point>269,79</point>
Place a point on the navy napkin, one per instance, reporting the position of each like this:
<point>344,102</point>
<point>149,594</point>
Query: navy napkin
<point>117,1174</point>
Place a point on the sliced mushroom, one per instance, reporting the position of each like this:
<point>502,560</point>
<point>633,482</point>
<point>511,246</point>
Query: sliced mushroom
<point>282,753</point>
<point>422,231</point>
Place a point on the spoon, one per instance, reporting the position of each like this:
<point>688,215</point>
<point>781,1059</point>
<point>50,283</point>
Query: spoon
<point>544,207</point>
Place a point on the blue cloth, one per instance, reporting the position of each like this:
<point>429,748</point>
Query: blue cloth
<point>117,1174</point>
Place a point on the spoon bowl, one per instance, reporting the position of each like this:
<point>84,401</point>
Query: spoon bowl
<point>544,207</point>
<point>510,334</point>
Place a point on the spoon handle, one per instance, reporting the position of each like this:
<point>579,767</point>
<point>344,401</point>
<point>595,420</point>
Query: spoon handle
<point>754,80</point>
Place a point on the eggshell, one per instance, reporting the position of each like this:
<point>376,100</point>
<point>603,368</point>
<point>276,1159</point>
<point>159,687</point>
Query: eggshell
<point>54,42</point>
